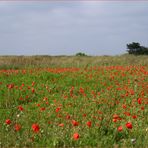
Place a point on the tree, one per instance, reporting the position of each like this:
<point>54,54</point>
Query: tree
<point>80,54</point>
<point>137,49</point>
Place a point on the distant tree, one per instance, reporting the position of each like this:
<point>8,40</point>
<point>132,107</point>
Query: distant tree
<point>80,54</point>
<point>137,49</point>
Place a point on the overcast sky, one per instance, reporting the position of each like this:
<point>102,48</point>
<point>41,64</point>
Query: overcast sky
<point>65,28</point>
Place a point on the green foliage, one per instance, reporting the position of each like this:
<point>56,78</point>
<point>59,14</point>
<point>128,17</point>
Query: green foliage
<point>80,54</point>
<point>137,49</point>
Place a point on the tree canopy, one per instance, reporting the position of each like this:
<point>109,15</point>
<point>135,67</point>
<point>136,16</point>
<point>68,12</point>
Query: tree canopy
<point>137,49</point>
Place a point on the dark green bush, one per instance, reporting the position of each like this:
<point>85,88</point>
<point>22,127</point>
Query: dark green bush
<point>80,54</point>
<point>137,49</point>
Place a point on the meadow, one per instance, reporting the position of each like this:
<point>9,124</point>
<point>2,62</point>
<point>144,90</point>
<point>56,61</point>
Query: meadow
<point>69,101</point>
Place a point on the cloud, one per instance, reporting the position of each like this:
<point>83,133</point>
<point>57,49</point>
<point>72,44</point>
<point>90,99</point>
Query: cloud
<point>96,28</point>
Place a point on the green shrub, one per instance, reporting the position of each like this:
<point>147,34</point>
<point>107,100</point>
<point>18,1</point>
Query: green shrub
<point>80,54</point>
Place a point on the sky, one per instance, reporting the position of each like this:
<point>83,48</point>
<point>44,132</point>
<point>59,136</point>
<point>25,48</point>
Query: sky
<point>69,27</point>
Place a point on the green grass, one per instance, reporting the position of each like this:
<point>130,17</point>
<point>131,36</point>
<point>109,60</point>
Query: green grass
<point>90,92</point>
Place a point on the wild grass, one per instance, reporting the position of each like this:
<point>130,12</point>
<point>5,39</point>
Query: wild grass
<point>16,62</point>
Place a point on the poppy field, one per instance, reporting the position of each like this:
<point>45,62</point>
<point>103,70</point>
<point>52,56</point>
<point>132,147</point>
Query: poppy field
<point>94,106</point>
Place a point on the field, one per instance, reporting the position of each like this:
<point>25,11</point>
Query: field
<point>74,101</point>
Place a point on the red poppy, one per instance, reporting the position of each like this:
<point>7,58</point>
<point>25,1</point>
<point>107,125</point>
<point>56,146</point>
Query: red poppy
<point>21,99</point>
<point>17,127</point>
<point>81,90</point>
<point>8,121</point>
<point>120,128</point>
<point>89,123</point>
<point>38,105</point>
<point>134,116</point>
<point>68,117</point>
<point>33,83</point>
<point>45,99</point>
<point>129,125</point>
<point>10,86</point>
<point>75,123</point>
<point>33,90</point>
<point>20,108</point>
<point>139,100</point>
<point>132,92</point>
<point>115,116</point>
<point>42,108</point>
<point>61,124</point>
<point>35,127</point>
<point>114,120</point>
<point>76,136</point>
<point>58,109</point>
<point>127,113</point>
<point>142,108</point>
<point>124,106</point>
<point>84,115</point>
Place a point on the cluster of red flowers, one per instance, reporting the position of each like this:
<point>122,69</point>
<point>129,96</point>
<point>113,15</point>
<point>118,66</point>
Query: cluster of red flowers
<point>128,125</point>
<point>108,100</point>
<point>17,127</point>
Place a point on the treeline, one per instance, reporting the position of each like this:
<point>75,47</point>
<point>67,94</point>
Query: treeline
<point>137,49</point>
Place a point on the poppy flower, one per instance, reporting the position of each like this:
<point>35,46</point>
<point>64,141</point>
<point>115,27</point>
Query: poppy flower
<point>84,115</point>
<point>8,121</point>
<point>17,127</point>
<point>134,116</point>
<point>139,100</point>
<point>42,108</point>
<point>124,106</point>
<point>68,117</point>
<point>114,120</point>
<point>75,123</point>
<point>33,83</point>
<point>142,108</point>
<point>89,123</point>
<point>58,109</point>
<point>81,90</point>
<point>127,113</point>
<point>129,125</point>
<point>35,127</point>
<point>76,136</point>
<point>61,124</point>
<point>20,108</point>
<point>21,99</point>
<point>33,90</point>
<point>120,128</point>
<point>10,86</point>
<point>115,116</point>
